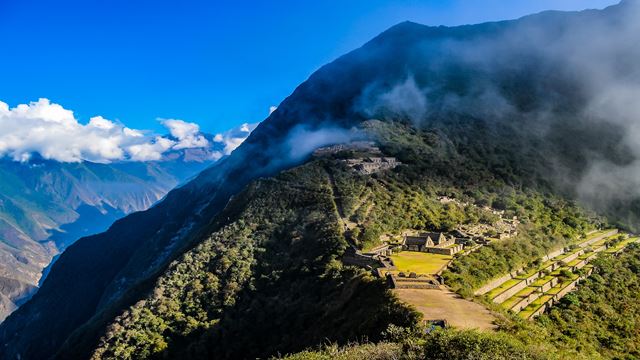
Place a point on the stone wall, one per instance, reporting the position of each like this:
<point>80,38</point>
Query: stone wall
<point>510,292</point>
<point>573,256</point>
<point>526,301</point>
<point>501,280</point>
<point>412,283</point>
<point>495,283</point>
<point>600,237</point>
<point>548,285</point>
<point>416,286</point>
<point>378,250</point>
<point>443,251</point>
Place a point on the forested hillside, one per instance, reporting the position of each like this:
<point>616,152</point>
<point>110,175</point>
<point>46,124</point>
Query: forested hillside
<point>247,260</point>
<point>598,321</point>
<point>276,248</point>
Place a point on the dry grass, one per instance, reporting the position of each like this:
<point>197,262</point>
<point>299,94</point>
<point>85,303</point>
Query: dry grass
<point>444,304</point>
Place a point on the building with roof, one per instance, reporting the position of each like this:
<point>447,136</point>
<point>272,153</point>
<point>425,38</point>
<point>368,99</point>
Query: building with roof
<point>431,242</point>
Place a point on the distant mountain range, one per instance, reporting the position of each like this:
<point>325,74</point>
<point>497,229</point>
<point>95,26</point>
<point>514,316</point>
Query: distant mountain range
<point>46,205</point>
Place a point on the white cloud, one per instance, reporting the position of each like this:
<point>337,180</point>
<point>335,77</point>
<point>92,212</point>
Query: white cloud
<point>272,109</point>
<point>233,138</point>
<point>187,134</point>
<point>53,132</point>
<point>101,123</point>
<point>151,150</point>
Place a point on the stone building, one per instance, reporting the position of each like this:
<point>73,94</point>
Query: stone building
<point>373,164</point>
<point>368,147</point>
<point>432,242</point>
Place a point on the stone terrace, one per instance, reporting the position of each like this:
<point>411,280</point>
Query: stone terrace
<point>530,293</point>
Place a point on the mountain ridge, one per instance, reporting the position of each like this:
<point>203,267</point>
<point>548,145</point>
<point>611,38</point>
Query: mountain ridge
<point>322,109</point>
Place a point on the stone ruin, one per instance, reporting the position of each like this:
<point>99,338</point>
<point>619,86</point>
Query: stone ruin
<point>372,165</point>
<point>368,147</point>
<point>432,242</point>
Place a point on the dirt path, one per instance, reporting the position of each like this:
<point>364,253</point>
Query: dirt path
<point>444,304</point>
<point>363,200</point>
<point>334,194</point>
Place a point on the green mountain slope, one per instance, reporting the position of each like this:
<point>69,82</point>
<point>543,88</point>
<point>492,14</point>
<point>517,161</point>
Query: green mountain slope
<point>273,253</point>
<point>281,241</point>
<point>598,321</point>
<point>249,252</point>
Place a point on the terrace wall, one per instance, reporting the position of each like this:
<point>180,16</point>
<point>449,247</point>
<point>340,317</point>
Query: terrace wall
<point>510,292</point>
<point>495,283</point>
<point>412,283</point>
<point>416,286</point>
<point>567,289</point>
<point>553,254</point>
<point>526,301</point>
<point>573,256</point>
<point>501,280</point>
<point>546,287</point>
<point>542,309</point>
<point>599,237</point>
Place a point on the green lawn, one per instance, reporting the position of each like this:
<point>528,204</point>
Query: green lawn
<point>526,291</point>
<point>541,301</point>
<point>534,306</point>
<point>500,289</point>
<point>527,312</point>
<point>574,262</point>
<point>542,281</point>
<point>586,255</point>
<point>508,304</point>
<point>420,263</point>
<point>530,273</point>
<point>621,245</point>
<point>600,242</point>
<point>556,289</point>
<point>547,264</point>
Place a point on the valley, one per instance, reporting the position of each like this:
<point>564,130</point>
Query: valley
<point>45,206</point>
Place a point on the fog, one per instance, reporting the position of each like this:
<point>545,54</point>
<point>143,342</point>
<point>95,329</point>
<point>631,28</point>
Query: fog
<point>542,75</point>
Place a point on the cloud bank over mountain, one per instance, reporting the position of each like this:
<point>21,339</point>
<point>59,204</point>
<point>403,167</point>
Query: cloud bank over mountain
<point>54,133</point>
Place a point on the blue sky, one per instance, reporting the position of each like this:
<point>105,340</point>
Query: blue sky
<point>216,63</point>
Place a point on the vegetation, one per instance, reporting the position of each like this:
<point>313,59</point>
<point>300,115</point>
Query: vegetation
<point>407,199</point>
<point>548,224</point>
<point>274,252</point>
<point>601,318</point>
<point>502,129</point>
<point>275,257</point>
<point>269,274</point>
<point>419,263</point>
<point>441,344</point>
<point>597,321</point>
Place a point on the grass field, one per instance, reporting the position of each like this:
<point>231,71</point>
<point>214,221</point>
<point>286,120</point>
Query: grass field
<point>419,263</point>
